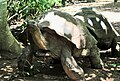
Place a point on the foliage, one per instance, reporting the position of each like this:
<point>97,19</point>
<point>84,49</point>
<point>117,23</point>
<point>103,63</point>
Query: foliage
<point>29,8</point>
<point>52,2</point>
<point>114,65</point>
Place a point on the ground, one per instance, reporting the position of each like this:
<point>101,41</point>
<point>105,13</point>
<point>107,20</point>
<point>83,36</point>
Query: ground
<point>45,70</point>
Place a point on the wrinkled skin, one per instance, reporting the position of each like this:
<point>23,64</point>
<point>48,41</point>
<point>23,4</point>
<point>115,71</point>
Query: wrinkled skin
<point>61,47</point>
<point>100,28</point>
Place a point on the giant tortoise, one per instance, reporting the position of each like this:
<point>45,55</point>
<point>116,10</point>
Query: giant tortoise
<point>100,28</point>
<point>65,38</point>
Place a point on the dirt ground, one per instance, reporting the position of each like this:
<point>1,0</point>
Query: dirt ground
<point>45,70</point>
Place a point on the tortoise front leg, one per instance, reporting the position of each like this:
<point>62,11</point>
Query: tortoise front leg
<point>25,59</point>
<point>26,56</point>
<point>71,68</point>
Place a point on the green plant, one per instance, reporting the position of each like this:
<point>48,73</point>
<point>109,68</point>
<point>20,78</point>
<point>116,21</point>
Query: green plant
<point>18,9</point>
<point>57,2</point>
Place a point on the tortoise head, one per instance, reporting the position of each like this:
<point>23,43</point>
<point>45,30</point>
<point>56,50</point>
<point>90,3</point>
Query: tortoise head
<point>32,26</point>
<point>36,34</point>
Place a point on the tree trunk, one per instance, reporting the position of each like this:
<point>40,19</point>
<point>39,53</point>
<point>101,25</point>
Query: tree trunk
<point>7,41</point>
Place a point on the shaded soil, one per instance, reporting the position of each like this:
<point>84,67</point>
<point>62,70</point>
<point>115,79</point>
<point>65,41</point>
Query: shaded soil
<point>45,70</point>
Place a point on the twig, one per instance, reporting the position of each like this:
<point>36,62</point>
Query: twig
<point>17,13</point>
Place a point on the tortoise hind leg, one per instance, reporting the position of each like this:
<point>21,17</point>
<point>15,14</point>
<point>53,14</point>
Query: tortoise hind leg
<point>95,59</point>
<point>114,50</point>
<point>71,68</point>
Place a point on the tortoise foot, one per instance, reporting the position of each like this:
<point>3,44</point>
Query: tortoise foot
<point>98,66</point>
<point>72,69</point>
